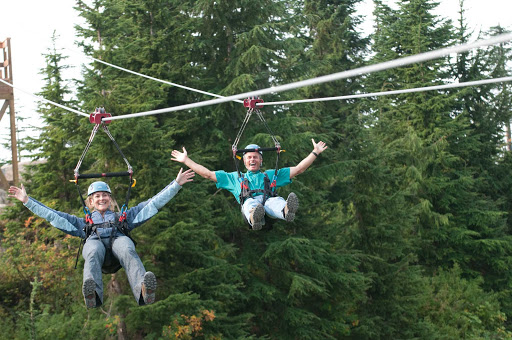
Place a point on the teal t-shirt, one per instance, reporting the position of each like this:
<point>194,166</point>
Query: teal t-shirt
<point>231,182</point>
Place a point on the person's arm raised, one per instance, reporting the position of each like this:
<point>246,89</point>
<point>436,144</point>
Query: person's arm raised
<point>19,193</point>
<point>318,148</point>
<point>182,157</point>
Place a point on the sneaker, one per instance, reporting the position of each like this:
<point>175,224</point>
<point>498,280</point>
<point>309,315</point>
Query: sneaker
<point>256,217</point>
<point>149,288</point>
<point>89,291</point>
<point>292,204</point>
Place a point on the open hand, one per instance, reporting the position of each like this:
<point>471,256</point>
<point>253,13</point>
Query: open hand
<point>184,177</point>
<point>318,147</point>
<point>19,193</point>
<point>179,156</point>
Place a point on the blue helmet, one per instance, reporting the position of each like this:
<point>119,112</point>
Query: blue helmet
<point>254,146</point>
<point>98,186</point>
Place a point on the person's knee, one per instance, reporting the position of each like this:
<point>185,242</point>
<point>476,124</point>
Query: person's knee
<point>93,250</point>
<point>123,247</point>
<point>123,243</point>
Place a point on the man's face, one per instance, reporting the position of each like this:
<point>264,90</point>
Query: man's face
<point>100,201</point>
<point>252,161</point>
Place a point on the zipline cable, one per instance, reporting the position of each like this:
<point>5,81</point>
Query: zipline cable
<point>336,76</point>
<point>152,78</point>
<point>332,77</point>
<point>45,100</point>
<point>387,93</point>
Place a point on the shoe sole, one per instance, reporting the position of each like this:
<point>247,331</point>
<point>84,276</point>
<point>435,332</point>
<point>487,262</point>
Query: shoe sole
<point>149,288</point>
<point>292,202</point>
<point>257,217</point>
<point>89,291</point>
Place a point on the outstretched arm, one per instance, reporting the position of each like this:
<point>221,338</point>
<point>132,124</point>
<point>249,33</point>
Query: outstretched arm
<point>19,193</point>
<point>182,157</point>
<point>185,177</point>
<point>147,209</point>
<point>318,148</point>
<point>69,224</point>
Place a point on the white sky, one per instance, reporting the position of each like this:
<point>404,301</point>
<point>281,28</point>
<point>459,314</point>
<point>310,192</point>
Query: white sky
<point>30,25</point>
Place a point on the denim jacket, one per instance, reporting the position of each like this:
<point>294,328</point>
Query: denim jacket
<point>135,216</point>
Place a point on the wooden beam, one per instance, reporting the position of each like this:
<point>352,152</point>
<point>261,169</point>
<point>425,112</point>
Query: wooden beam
<point>5,88</point>
<point>6,92</point>
<point>14,147</point>
<point>9,58</point>
<point>4,107</point>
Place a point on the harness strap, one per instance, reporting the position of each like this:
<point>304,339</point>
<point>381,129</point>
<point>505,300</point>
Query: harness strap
<point>241,131</point>
<point>105,128</point>
<point>267,191</point>
<point>93,133</point>
<point>269,130</point>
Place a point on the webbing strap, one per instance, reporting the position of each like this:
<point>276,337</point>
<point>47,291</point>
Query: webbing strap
<point>246,191</point>
<point>269,130</point>
<point>93,133</point>
<point>105,128</point>
<point>241,131</point>
<point>234,147</point>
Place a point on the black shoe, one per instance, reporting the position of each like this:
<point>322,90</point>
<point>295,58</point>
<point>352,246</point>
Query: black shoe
<point>89,291</point>
<point>149,288</point>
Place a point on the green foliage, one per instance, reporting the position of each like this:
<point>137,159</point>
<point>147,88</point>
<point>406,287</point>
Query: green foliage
<point>403,230</point>
<point>460,308</point>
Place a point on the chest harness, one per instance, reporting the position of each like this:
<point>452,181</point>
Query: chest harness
<point>111,264</point>
<point>267,191</point>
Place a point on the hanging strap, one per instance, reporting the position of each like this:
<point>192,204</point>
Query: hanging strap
<point>242,128</point>
<point>105,128</point>
<point>93,133</point>
<point>252,107</point>
<point>97,119</point>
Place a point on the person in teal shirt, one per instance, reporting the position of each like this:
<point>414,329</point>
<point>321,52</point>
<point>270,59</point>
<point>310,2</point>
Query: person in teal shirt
<point>255,206</point>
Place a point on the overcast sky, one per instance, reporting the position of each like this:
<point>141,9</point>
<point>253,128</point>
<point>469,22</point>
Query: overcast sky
<point>31,23</point>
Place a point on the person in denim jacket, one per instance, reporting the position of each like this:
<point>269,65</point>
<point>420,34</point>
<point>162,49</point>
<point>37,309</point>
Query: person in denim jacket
<point>142,283</point>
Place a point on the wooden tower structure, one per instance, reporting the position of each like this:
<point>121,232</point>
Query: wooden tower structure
<point>7,95</point>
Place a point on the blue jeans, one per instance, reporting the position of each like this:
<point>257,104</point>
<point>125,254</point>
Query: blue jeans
<point>273,206</point>
<point>122,248</point>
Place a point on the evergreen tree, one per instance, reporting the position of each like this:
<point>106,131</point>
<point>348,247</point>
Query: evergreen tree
<point>404,136</point>
<point>488,110</point>
<point>56,145</point>
<point>34,250</point>
<point>384,242</point>
<point>203,258</point>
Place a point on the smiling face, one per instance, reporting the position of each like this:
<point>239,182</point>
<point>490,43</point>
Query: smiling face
<point>252,161</point>
<point>100,201</point>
